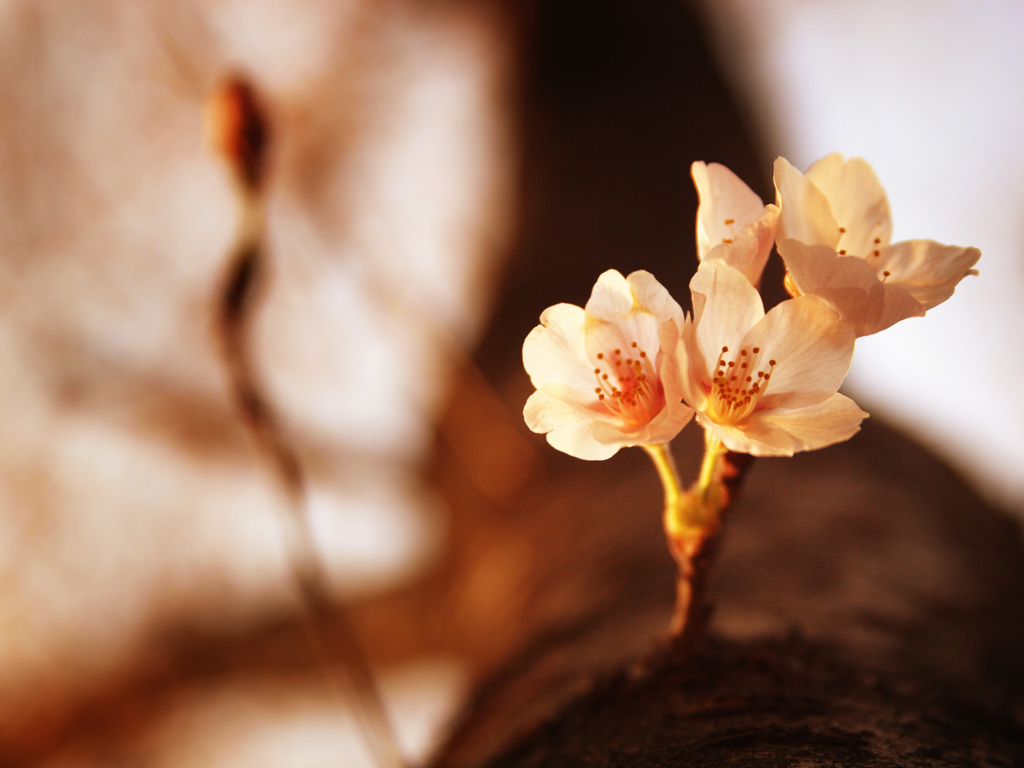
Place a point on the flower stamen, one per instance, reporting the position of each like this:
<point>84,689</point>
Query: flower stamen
<point>731,224</point>
<point>628,387</point>
<point>734,389</point>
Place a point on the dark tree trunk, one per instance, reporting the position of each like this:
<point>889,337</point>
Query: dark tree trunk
<point>868,612</point>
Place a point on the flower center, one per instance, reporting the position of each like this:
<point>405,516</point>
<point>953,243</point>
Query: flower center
<point>628,384</point>
<point>738,384</point>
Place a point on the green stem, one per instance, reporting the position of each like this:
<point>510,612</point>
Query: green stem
<point>708,485</point>
<point>666,466</point>
<point>691,520</point>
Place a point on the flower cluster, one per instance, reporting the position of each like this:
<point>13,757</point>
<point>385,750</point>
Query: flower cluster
<point>834,235</point>
<point>631,368</point>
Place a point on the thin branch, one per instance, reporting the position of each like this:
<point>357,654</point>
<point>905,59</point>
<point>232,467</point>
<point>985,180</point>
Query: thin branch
<point>239,131</point>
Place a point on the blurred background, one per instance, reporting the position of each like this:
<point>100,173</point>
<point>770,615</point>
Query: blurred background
<point>138,521</point>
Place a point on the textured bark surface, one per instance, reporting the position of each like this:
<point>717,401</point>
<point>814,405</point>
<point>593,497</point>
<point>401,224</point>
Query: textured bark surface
<point>772,703</point>
<point>868,612</point>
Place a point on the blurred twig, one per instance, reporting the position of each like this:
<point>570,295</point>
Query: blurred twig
<point>239,131</point>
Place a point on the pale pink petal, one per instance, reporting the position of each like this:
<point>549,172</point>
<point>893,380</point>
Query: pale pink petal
<point>667,362</point>
<point>651,296</point>
<point>749,250</point>
<point>831,421</point>
<point>688,370</point>
<point>806,214</point>
<point>732,307</point>
<point>611,297</point>
<point>676,414</point>
<point>858,202</point>
<point>554,406</point>
<point>667,424</point>
<point>554,350</point>
<point>726,205</point>
<point>813,267</point>
<point>812,348</point>
<point>661,429</point>
<point>569,428</point>
<point>634,307</point>
<point>780,432</point>
<point>927,270</point>
<point>619,342</point>
<point>850,285</point>
<point>887,305</point>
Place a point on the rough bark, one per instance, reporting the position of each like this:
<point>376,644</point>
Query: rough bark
<point>867,613</point>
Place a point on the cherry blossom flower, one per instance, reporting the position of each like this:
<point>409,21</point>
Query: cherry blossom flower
<point>732,223</point>
<point>834,235</point>
<point>598,370</point>
<point>763,384</point>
